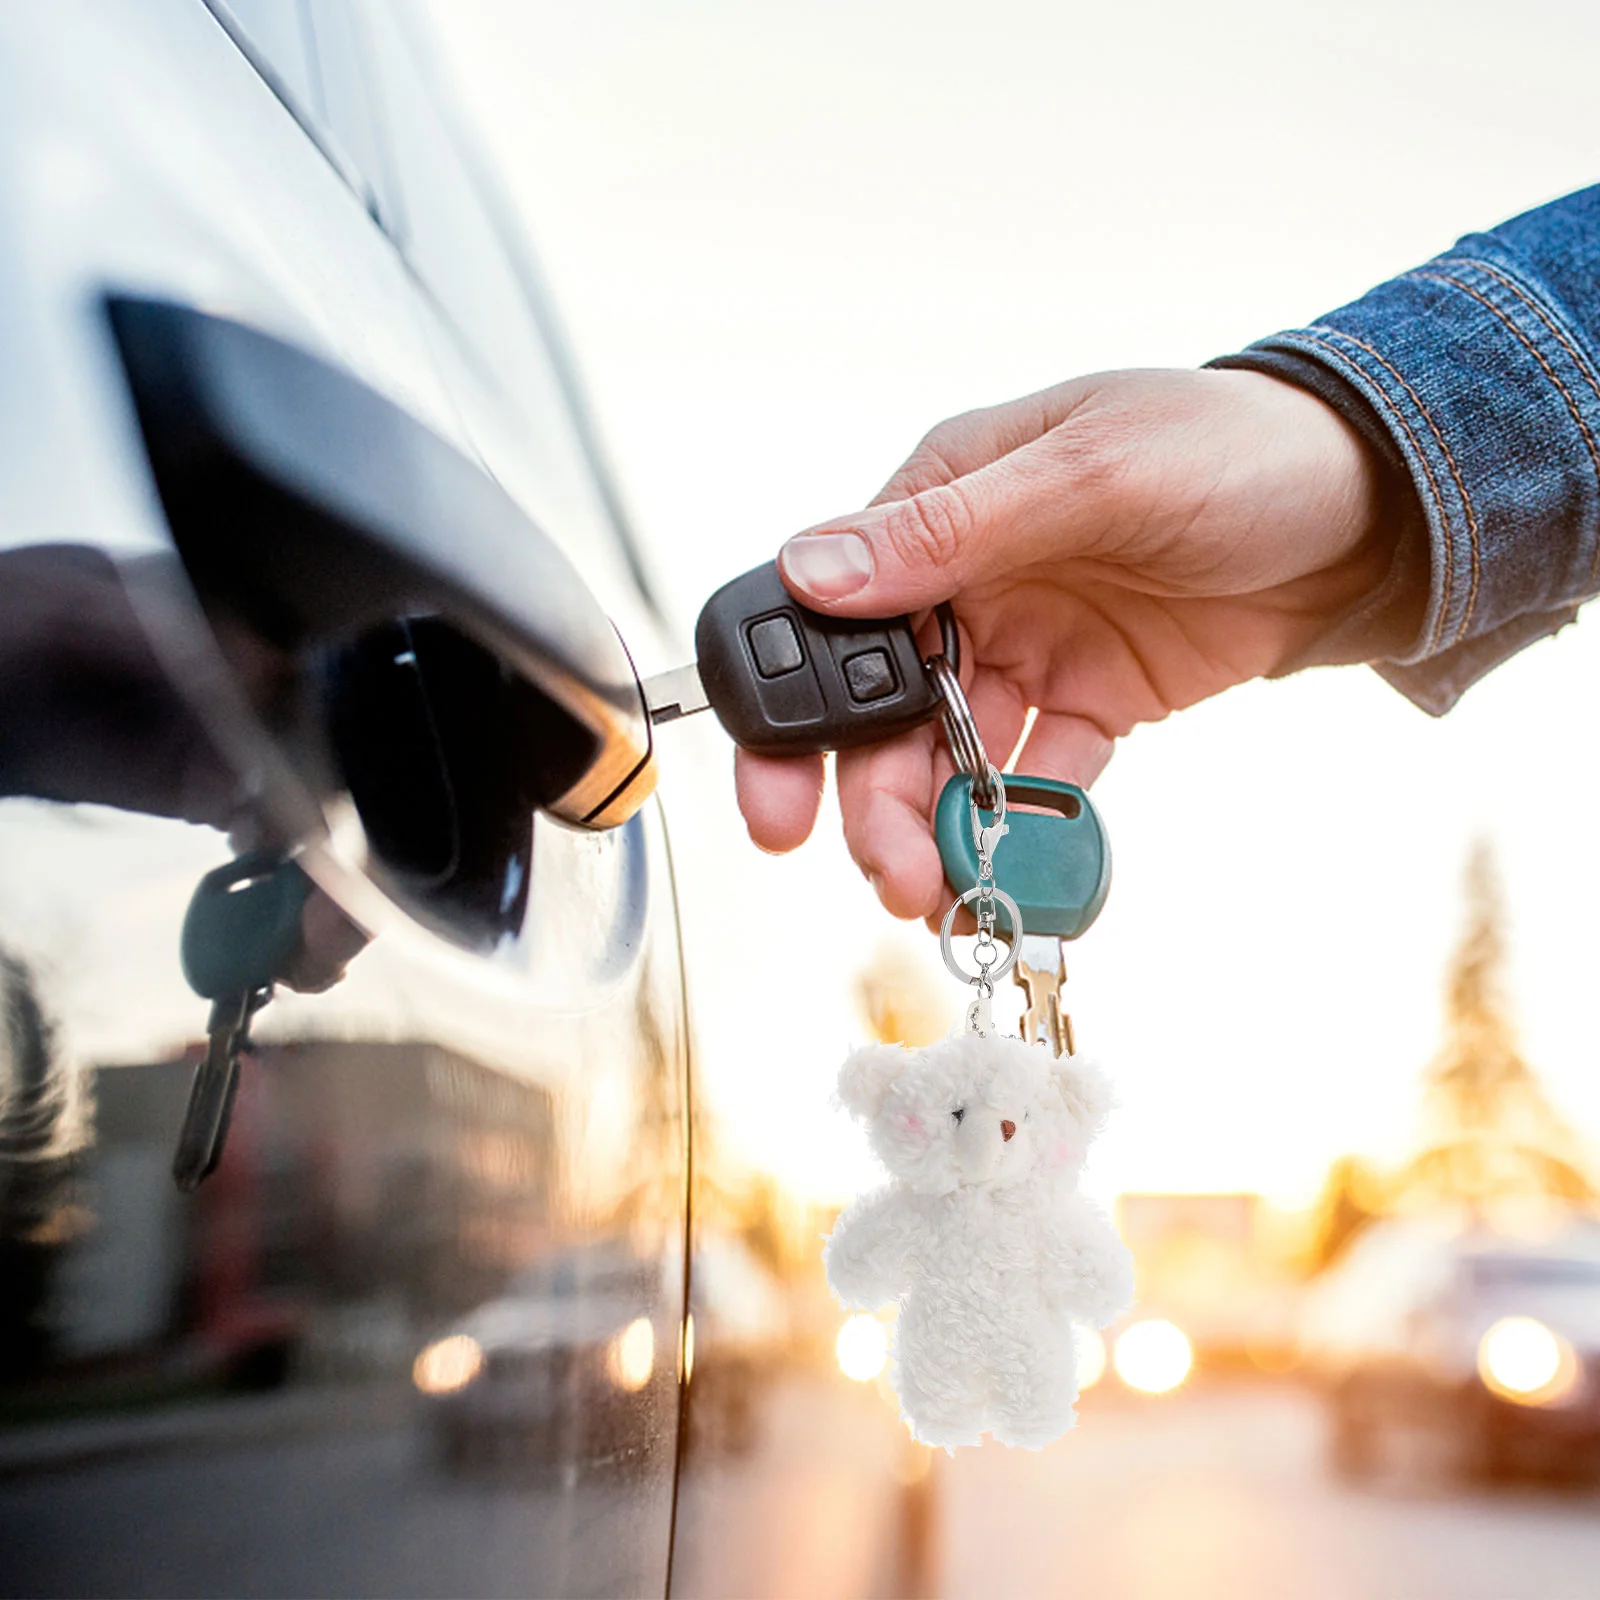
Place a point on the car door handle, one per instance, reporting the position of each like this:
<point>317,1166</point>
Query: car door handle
<point>325,510</point>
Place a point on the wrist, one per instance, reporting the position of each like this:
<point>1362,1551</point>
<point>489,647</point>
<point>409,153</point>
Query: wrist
<point>1366,599</point>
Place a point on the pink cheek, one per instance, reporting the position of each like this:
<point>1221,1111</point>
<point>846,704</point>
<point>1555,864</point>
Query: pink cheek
<point>913,1126</point>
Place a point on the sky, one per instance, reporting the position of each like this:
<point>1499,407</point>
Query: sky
<point>787,241</point>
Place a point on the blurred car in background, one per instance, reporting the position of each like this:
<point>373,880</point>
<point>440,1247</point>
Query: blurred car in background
<point>564,1346</point>
<point>1484,1344</point>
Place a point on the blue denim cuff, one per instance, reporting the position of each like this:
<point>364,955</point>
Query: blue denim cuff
<point>1487,380</point>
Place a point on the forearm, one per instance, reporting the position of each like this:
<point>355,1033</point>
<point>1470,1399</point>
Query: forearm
<point>1481,368</point>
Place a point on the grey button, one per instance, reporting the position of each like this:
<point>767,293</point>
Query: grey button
<point>869,675</point>
<point>776,647</point>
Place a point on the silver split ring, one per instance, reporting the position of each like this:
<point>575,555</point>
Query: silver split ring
<point>961,729</point>
<point>947,950</point>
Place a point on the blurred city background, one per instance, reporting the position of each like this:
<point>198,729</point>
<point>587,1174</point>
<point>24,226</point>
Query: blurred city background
<point>1343,979</point>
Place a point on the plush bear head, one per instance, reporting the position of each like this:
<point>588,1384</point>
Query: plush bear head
<point>974,1111</point>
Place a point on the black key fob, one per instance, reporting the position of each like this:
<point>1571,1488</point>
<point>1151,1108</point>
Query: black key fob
<point>785,681</point>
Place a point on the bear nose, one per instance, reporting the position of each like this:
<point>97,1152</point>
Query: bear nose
<point>1006,1130</point>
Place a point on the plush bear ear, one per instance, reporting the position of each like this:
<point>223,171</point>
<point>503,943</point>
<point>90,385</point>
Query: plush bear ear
<point>1086,1092</point>
<point>864,1079</point>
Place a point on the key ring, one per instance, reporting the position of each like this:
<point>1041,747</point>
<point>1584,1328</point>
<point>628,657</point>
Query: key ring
<point>947,949</point>
<point>961,729</point>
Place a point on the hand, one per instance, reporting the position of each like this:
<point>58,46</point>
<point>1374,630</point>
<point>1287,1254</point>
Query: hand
<point>329,942</point>
<point>1114,549</point>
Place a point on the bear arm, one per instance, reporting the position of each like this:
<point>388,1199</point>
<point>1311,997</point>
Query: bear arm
<point>1089,1267</point>
<point>867,1253</point>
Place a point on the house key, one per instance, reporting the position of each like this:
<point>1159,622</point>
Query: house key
<point>1058,867</point>
<point>1042,980</point>
<point>241,930</point>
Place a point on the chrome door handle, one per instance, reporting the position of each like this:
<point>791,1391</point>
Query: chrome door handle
<point>322,509</point>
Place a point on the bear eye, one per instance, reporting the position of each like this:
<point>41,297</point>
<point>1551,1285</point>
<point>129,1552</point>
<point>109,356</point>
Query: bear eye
<point>958,1114</point>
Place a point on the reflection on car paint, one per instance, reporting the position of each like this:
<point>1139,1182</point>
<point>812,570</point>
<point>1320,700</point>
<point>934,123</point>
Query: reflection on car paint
<point>436,1138</point>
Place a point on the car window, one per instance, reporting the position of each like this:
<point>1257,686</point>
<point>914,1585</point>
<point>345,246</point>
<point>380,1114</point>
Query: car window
<point>277,36</point>
<point>309,52</point>
<point>468,255</point>
<point>347,102</point>
<point>1495,1273</point>
<point>455,246</point>
<point>448,236</point>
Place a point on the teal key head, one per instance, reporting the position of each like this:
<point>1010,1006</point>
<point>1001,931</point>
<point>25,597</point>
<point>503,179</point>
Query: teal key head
<point>1054,862</point>
<point>242,927</point>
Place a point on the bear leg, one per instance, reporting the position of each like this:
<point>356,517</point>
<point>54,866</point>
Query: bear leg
<point>1034,1395</point>
<point>942,1390</point>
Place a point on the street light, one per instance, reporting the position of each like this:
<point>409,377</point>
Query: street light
<point>862,1347</point>
<point>1153,1357</point>
<point>1522,1360</point>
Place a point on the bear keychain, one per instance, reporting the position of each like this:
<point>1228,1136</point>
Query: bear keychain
<point>981,1236</point>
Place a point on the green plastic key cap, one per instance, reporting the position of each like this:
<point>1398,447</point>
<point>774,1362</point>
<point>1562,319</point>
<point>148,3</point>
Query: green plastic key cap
<point>243,925</point>
<point>1057,867</point>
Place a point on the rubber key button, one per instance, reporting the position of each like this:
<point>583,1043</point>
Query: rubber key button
<point>869,676</point>
<point>776,647</point>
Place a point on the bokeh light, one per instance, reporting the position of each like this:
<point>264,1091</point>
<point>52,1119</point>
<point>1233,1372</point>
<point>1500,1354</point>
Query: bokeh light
<point>447,1364</point>
<point>632,1357</point>
<point>1521,1359</point>
<point>1153,1357</point>
<point>862,1347</point>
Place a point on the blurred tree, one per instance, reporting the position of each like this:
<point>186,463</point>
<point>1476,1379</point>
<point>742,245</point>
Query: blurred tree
<point>900,1001</point>
<point>36,1215</point>
<point>1489,1133</point>
<point>1352,1195</point>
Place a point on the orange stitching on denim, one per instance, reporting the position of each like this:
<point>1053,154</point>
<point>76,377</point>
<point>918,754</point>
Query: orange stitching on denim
<point>1433,483</point>
<point>1455,472</point>
<point>1580,362</point>
<point>1549,372</point>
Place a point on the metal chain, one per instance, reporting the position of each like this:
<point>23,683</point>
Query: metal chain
<point>991,962</point>
<point>986,792</point>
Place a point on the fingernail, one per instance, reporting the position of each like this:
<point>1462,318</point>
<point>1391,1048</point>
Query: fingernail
<point>828,566</point>
<point>876,880</point>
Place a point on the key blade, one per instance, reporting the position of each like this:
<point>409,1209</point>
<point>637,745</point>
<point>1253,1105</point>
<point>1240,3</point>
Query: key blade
<point>671,695</point>
<point>205,1122</point>
<point>1041,973</point>
<point>216,1080</point>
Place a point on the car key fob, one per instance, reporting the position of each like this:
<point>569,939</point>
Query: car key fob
<point>787,681</point>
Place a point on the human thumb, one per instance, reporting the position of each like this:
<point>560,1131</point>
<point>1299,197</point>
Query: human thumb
<point>902,555</point>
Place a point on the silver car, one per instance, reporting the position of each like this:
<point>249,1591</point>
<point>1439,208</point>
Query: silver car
<point>1485,1345</point>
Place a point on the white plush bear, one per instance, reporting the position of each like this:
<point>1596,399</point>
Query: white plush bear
<point>981,1234</point>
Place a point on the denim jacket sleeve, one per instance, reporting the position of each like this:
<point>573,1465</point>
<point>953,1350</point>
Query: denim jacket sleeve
<point>1483,366</point>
